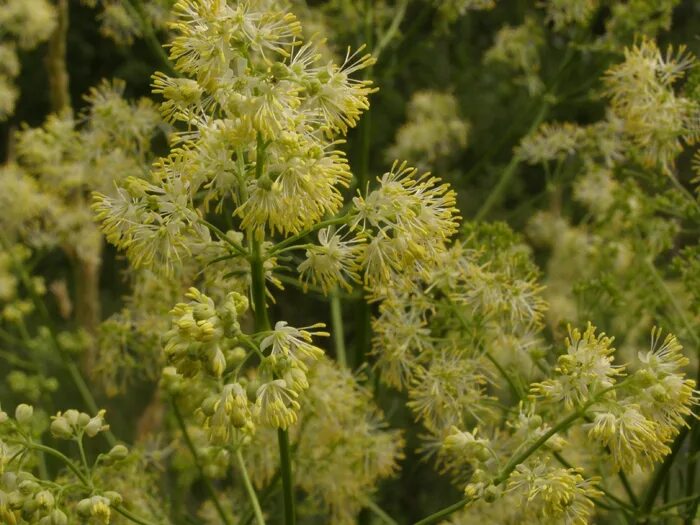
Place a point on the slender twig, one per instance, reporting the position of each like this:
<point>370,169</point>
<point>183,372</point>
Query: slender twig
<point>393,28</point>
<point>337,328</point>
<point>516,460</point>
<point>254,503</point>
<point>149,35</point>
<point>342,219</point>
<point>237,247</point>
<point>379,512</point>
<point>262,324</point>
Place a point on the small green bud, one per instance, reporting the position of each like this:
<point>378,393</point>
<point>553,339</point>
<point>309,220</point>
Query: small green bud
<point>118,453</point>
<point>28,487</point>
<point>83,508</point>
<point>491,493</point>
<point>114,497</point>
<point>45,499</point>
<point>236,355</point>
<point>96,424</point>
<point>60,428</point>
<point>24,413</point>
<point>58,517</point>
<point>83,419</point>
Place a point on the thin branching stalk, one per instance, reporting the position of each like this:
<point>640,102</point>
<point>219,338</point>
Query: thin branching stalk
<point>250,490</point>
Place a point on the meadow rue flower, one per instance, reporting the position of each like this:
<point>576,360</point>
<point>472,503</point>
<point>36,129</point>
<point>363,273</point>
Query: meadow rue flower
<point>633,439</point>
<point>276,404</point>
<point>583,371</point>
<point>295,343</point>
<point>655,117</point>
<point>556,493</point>
<point>333,261</point>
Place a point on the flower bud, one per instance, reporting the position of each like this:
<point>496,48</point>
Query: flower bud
<point>45,499</point>
<point>60,428</point>
<point>24,413</point>
<point>58,517</point>
<point>114,497</point>
<point>96,424</point>
<point>83,508</point>
<point>118,453</point>
<point>28,487</point>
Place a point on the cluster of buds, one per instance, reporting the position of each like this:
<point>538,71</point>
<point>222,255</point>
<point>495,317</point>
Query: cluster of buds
<point>72,424</point>
<point>22,499</point>
<point>202,333</point>
<point>226,411</point>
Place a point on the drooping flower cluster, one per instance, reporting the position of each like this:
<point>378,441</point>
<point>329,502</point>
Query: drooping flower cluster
<point>434,130</point>
<point>24,24</point>
<point>642,89</point>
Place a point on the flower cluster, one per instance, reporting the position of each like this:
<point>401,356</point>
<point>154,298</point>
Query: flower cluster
<point>434,130</point>
<point>24,24</point>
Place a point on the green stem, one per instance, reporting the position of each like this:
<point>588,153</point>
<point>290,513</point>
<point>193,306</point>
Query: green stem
<point>392,29</point>
<point>520,458</point>
<point>628,488</point>
<point>343,219</point>
<point>57,454</point>
<point>83,458</point>
<point>337,328</point>
<point>237,247</point>
<point>255,504</point>
<point>130,516</point>
<point>380,513</point>
<point>262,324</point>
<point>676,503</point>
<point>150,36</point>
<point>264,495</point>
<point>498,191</point>
<point>84,480</point>
<point>287,484</point>
<point>198,464</point>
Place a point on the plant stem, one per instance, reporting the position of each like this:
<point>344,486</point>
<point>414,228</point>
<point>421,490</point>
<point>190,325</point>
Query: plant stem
<point>57,454</point>
<point>198,464</point>
<point>262,324</point>
<point>237,247</point>
<point>498,191</point>
<point>343,219</point>
<point>83,458</point>
<point>264,495</point>
<point>337,328</point>
<point>56,69</point>
<point>520,458</point>
<point>130,516</point>
<point>255,504</point>
<point>379,512</point>
<point>287,484</point>
<point>150,37</point>
<point>392,29</point>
